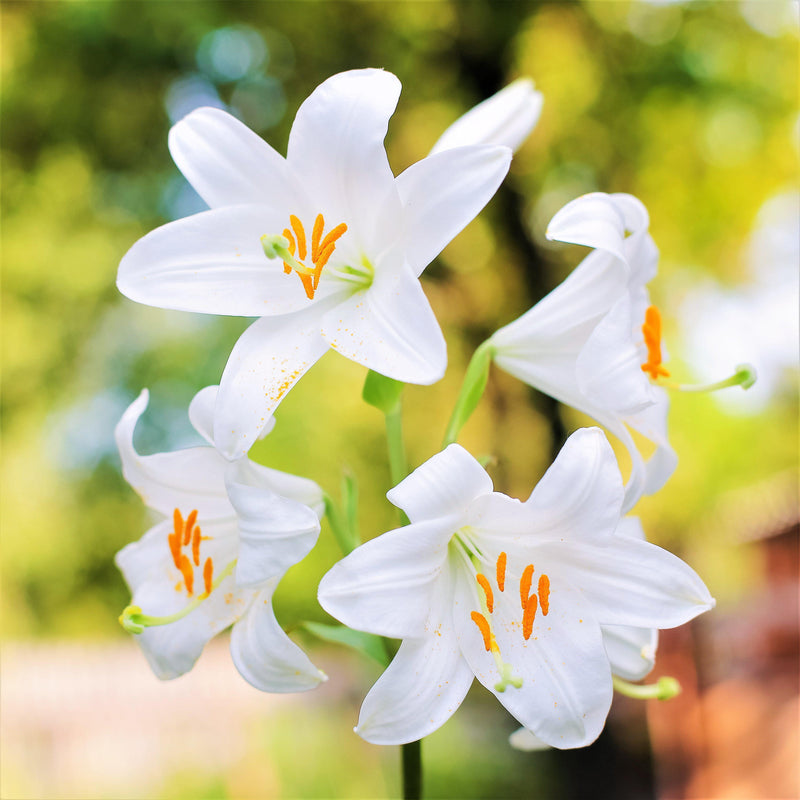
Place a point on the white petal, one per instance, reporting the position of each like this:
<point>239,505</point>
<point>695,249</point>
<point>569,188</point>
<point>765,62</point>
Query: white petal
<point>630,582</point>
<point>609,365</point>
<point>445,484</point>
<point>592,220</point>
<point>506,118</point>
<point>390,328</point>
<point>387,585</point>
<point>158,589</point>
<point>294,487</point>
<point>201,415</point>
<point>265,656</point>
<point>336,149</point>
<point>420,690</point>
<point>652,423</point>
<point>566,678</point>
<point>269,358</point>
<point>213,262</point>
<point>580,495</point>
<point>274,532</point>
<point>528,741</point>
<point>186,479</point>
<point>227,163</point>
<point>444,192</point>
<point>631,651</point>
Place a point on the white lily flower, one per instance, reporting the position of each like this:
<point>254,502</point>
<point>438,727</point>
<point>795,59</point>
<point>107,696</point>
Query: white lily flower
<point>229,532</point>
<point>506,117</point>
<point>325,246</point>
<point>594,341</point>
<point>482,585</point>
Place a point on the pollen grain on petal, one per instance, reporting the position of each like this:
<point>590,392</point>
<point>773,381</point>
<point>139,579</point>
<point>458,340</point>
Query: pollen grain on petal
<point>529,616</point>
<point>525,585</point>
<point>483,581</point>
<point>544,594</point>
<point>483,627</point>
<point>501,571</point>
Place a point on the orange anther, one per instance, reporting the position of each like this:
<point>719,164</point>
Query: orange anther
<point>288,236</point>
<point>300,233</point>
<point>185,567</point>
<point>525,585</point>
<point>309,284</point>
<point>177,521</point>
<point>652,338</point>
<point>316,235</point>
<point>529,616</point>
<point>544,594</point>
<point>174,542</point>
<point>332,236</point>
<point>187,528</point>
<point>487,590</point>
<point>483,627</point>
<point>501,572</point>
<point>196,547</point>
<point>208,574</point>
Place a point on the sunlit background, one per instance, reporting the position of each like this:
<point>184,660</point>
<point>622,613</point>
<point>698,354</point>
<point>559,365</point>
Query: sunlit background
<point>690,106</point>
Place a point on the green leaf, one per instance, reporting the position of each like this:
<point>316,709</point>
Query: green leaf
<point>471,390</point>
<point>350,505</point>
<point>367,643</point>
<point>382,392</point>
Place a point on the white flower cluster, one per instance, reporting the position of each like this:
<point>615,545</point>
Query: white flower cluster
<point>543,601</point>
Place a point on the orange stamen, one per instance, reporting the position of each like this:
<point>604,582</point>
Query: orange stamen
<point>196,547</point>
<point>316,235</point>
<point>188,573</point>
<point>187,528</point>
<point>483,627</point>
<point>544,594</point>
<point>309,284</point>
<point>288,234</point>
<point>332,236</point>
<point>652,338</point>
<point>177,521</point>
<point>174,542</point>
<point>300,233</point>
<point>501,572</point>
<point>529,616</point>
<point>208,574</point>
<point>487,590</point>
<point>525,585</point>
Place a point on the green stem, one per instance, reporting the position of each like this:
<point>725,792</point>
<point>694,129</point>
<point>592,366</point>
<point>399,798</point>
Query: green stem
<point>412,770</point>
<point>471,391</point>
<point>665,688</point>
<point>339,527</point>
<point>398,465</point>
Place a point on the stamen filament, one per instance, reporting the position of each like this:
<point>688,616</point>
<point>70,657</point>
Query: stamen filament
<point>664,689</point>
<point>745,376</point>
<point>134,621</point>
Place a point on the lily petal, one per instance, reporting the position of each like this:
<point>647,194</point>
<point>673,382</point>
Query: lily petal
<point>274,531</point>
<point>387,585</point>
<point>652,423</point>
<point>213,262</point>
<point>506,118</point>
<point>185,479</point>
<point>390,328</point>
<point>269,358</point>
<point>228,164</point>
<point>444,485</point>
<point>336,150</point>
<point>592,220</point>
<point>443,193</point>
<point>631,582</point>
<point>201,415</point>
<point>265,656</point>
<point>527,741</point>
<point>631,651</point>
<point>566,678</point>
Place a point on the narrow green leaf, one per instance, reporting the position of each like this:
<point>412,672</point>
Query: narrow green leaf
<point>367,643</point>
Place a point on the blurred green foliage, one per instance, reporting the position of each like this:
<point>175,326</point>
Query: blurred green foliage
<point>687,106</point>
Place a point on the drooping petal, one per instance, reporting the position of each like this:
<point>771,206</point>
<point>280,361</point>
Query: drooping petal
<point>566,678</point>
<point>185,479</point>
<point>387,585</point>
<point>506,118</point>
<point>269,358</point>
<point>444,485</point>
<point>592,220</point>
<point>227,163</point>
<point>214,263</point>
<point>444,192</point>
<point>336,150</point>
<point>265,656</point>
<point>631,651</point>
<point>527,741</point>
<point>630,582</point>
<point>419,691</point>
<point>390,328</point>
<point>274,531</point>
<point>201,415</point>
<point>609,365</point>
<point>580,495</point>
